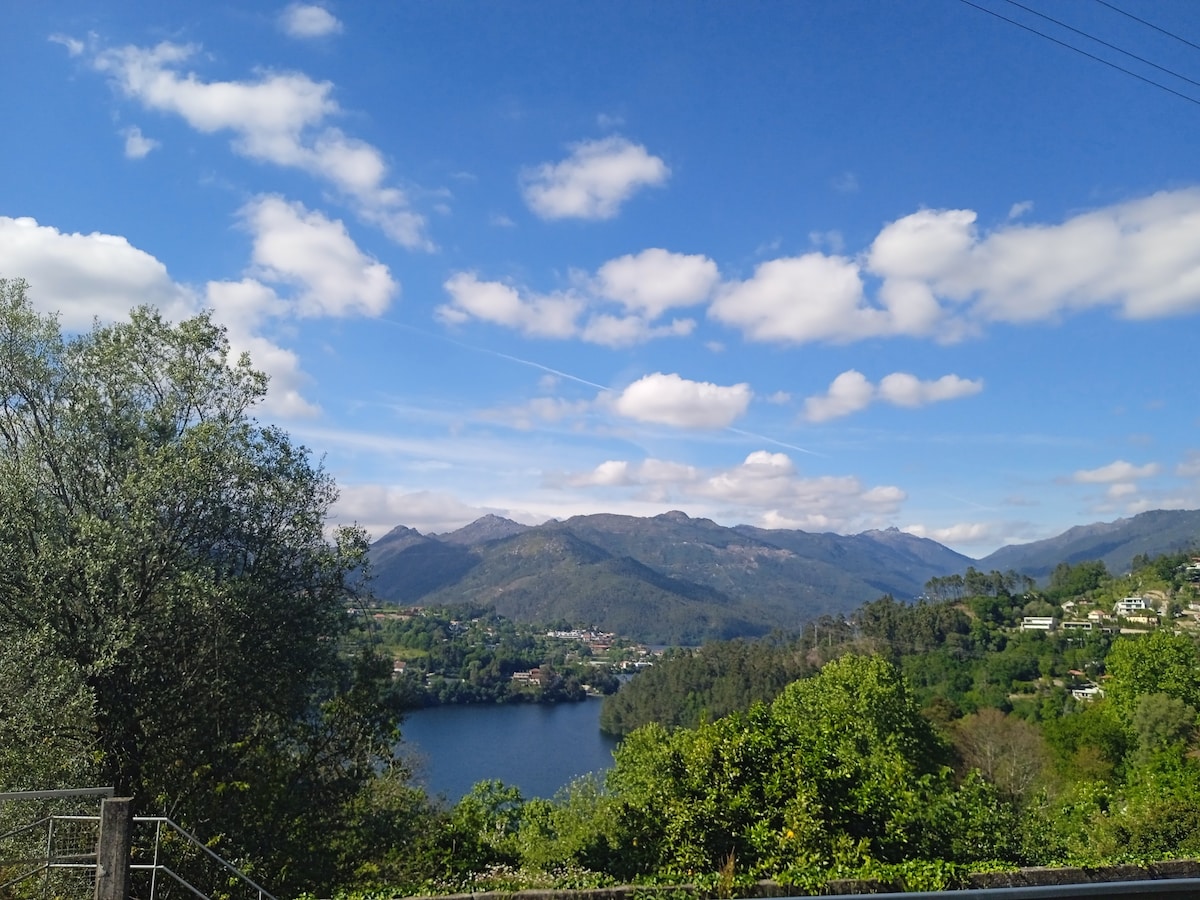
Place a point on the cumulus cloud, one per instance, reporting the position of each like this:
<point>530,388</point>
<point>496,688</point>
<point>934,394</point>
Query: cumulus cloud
<point>551,315</point>
<point>655,280</point>
<point>940,275</point>
<point>903,389</point>
<point>295,246</point>
<point>278,117</point>
<point>624,331</point>
<point>958,534</point>
<point>848,393</point>
<point>671,400</point>
<point>923,245</point>
<point>1114,472</point>
<point>137,145</point>
<point>852,391</point>
<point>82,277</point>
<point>643,286</point>
<point>87,277</point>
<point>765,489</point>
<point>813,297</point>
<point>307,20</point>
<point>594,181</point>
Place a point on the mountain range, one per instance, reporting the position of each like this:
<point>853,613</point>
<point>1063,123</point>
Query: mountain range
<point>675,579</point>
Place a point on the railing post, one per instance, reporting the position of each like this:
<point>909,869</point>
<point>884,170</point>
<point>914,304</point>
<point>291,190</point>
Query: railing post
<point>112,852</point>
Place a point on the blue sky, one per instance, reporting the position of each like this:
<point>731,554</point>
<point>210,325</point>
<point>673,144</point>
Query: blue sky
<point>820,265</point>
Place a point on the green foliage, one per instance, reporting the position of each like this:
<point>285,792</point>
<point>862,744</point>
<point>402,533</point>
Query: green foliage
<point>47,718</point>
<point>1160,662</point>
<point>1077,580</point>
<point>687,687</point>
<point>840,770</point>
<point>166,556</point>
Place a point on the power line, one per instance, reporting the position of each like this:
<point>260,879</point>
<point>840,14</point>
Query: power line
<point>1081,51</point>
<point>1130,15</point>
<point>1103,43</point>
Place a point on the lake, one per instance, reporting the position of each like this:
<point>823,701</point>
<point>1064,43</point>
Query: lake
<point>535,747</point>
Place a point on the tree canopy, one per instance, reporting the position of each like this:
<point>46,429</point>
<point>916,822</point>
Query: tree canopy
<point>169,555</point>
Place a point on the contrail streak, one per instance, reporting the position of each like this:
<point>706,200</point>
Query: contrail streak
<point>477,349</point>
<point>600,387</point>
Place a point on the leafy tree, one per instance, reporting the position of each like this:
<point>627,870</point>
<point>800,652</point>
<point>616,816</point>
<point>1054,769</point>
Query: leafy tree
<point>1075,580</point>
<point>1009,752</point>
<point>1163,725</point>
<point>1160,662</point>
<point>170,553</point>
<point>841,769</point>
<point>47,725</point>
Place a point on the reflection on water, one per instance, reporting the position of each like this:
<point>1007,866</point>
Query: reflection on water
<point>537,748</point>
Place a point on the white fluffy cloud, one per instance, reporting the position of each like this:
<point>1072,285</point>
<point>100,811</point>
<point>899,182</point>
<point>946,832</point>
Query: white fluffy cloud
<point>593,181</point>
<point>799,299</point>
<point>655,280</point>
<point>87,276</point>
<point>307,20</point>
<point>935,274</point>
<point>1141,257</point>
<point>903,389</point>
<point>671,400</point>
<point>643,285</point>
<point>852,391</point>
<point>848,393</point>
<point>245,308</point>
<point>1114,472</point>
<point>942,276</point>
<point>765,488</point>
<point>958,534</point>
<point>137,145</point>
<point>625,331</point>
<point>924,245</point>
<point>501,304</point>
<point>279,118</point>
<point>295,246</point>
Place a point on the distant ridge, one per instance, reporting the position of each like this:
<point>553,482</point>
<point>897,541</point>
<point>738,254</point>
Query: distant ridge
<point>1115,543</point>
<point>675,579</point>
<point>489,528</point>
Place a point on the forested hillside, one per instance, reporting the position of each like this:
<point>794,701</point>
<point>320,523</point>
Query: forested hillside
<point>668,579</point>
<point>674,579</point>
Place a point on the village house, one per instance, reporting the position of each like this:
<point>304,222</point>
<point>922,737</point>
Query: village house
<point>1130,605</point>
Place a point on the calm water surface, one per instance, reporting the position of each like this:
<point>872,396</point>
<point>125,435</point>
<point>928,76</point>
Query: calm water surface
<point>537,748</point>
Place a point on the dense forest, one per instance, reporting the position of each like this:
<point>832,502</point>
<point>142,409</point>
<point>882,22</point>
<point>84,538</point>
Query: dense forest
<point>177,622</point>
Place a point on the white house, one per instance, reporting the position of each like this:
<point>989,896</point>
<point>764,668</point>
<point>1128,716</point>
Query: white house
<point>1038,623</point>
<point>1130,605</point>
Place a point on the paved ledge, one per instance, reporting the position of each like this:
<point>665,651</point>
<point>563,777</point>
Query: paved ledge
<point>1153,879</point>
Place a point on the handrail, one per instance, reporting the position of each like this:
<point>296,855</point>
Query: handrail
<point>195,890</point>
<point>71,860</point>
<point>163,820</point>
<point>56,794</point>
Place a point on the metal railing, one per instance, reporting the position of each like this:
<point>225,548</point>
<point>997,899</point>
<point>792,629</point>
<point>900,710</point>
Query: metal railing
<point>165,832</point>
<point>42,842</point>
<point>56,856</point>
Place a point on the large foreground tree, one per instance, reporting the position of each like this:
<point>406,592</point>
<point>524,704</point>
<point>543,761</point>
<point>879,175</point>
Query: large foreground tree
<point>171,552</point>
